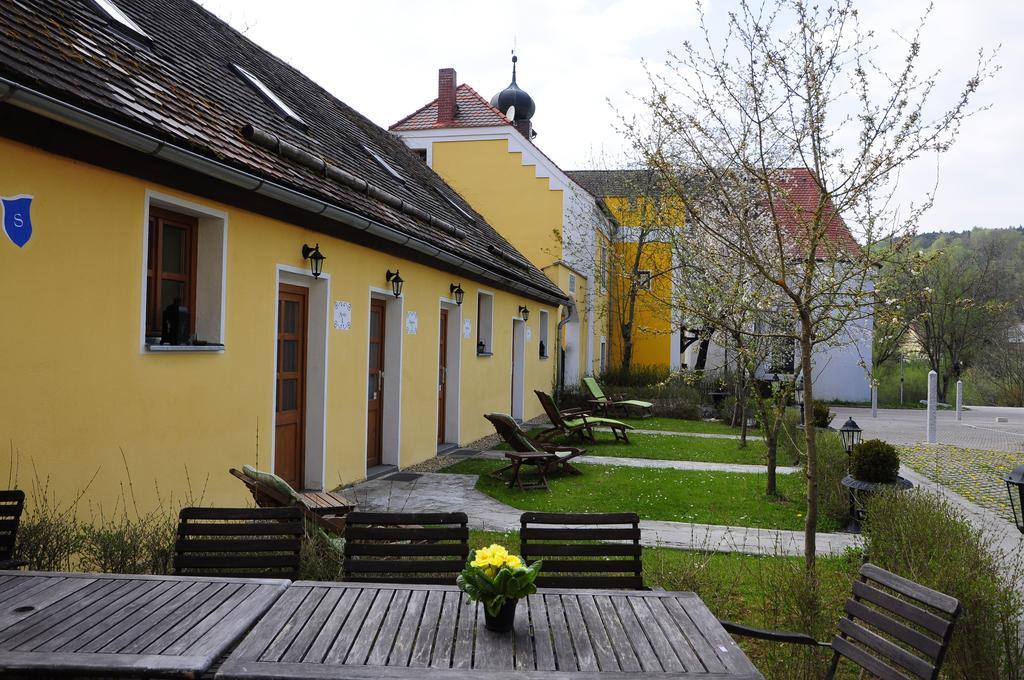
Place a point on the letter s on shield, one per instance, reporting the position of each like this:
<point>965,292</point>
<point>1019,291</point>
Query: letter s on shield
<point>17,222</point>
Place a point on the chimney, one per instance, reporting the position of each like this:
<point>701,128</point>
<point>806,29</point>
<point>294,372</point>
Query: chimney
<point>526,128</point>
<point>446,108</point>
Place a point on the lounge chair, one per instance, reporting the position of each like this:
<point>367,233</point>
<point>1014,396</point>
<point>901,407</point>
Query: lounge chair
<point>576,422</point>
<point>583,550</point>
<point>239,542</point>
<point>605,404</point>
<point>910,627</point>
<point>326,509</point>
<point>525,451</point>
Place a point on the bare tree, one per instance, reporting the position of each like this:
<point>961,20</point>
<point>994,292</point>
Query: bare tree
<point>796,85</point>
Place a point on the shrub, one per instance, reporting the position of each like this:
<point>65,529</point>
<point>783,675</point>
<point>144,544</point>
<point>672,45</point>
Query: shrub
<point>50,536</point>
<point>833,497</point>
<point>127,544</point>
<point>920,536</point>
<point>873,460</point>
<point>822,414</point>
<point>727,409</point>
<point>635,376</point>
<point>322,556</point>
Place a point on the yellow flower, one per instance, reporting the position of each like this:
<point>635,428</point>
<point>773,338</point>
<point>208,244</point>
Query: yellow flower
<point>513,562</point>
<point>482,558</point>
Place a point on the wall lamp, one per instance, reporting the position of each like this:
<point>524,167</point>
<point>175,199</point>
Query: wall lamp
<point>316,259</point>
<point>396,282</point>
<point>524,312</point>
<point>456,290</point>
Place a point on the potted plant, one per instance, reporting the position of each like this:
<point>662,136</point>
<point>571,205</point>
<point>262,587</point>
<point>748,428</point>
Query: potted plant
<point>498,580</point>
<point>874,464</point>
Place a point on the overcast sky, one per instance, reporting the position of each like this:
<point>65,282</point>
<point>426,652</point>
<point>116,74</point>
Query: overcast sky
<point>381,57</point>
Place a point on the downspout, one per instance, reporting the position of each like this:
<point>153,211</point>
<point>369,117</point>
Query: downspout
<point>49,107</point>
<point>570,307</point>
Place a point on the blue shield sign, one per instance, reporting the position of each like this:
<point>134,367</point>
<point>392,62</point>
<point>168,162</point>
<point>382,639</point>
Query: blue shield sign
<point>17,222</point>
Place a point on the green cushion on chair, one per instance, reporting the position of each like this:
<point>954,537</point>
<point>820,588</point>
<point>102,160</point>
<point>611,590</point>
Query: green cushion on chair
<point>595,389</point>
<point>271,480</point>
<point>634,402</point>
<point>598,421</point>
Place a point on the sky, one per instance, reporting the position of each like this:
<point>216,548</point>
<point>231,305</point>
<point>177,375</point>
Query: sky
<point>582,61</point>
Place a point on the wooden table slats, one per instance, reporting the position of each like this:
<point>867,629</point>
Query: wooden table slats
<point>428,632</point>
<point>114,624</point>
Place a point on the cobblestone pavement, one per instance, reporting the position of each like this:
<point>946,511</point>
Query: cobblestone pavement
<point>434,492</point>
<point>978,429</point>
<point>975,474</point>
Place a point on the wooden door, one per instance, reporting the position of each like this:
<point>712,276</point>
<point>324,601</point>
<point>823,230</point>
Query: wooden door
<point>442,377</point>
<point>375,385</point>
<point>290,425</point>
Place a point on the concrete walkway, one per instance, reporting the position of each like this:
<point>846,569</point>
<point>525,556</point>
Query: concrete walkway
<point>439,492</point>
<point>978,429</point>
<point>705,435</point>
<point>665,464</point>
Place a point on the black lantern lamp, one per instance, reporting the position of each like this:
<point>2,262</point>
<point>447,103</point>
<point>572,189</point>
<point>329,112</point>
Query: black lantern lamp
<point>1015,489</point>
<point>456,290</point>
<point>524,312</point>
<point>316,259</point>
<point>850,433</point>
<point>396,282</point>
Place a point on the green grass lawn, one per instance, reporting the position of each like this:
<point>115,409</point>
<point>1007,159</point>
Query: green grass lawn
<point>736,499</point>
<point>680,425</point>
<point>677,447</point>
<point>761,591</point>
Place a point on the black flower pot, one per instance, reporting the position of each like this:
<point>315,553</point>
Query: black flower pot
<point>502,623</point>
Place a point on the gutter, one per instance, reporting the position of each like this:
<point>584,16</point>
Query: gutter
<point>62,112</point>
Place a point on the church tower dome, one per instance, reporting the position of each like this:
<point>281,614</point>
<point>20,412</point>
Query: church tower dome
<point>515,103</point>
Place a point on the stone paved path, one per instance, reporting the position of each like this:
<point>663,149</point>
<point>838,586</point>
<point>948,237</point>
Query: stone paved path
<point>440,492</point>
<point>978,429</point>
<point>666,464</point>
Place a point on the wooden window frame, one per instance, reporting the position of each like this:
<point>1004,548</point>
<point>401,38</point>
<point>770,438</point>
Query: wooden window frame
<point>644,278</point>
<point>158,217</point>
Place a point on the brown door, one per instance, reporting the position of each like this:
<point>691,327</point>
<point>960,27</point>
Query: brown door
<point>290,423</point>
<point>442,377</point>
<point>375,385</point>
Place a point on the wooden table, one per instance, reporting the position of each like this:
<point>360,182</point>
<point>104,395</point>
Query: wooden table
<point>378,631</point>
<point>113,624</point>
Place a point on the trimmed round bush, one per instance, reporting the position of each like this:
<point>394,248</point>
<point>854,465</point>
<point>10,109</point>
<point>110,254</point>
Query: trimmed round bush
<point>822,414</point>
<point>875,461</point>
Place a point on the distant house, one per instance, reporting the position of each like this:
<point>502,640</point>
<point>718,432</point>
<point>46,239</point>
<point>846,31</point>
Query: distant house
<point>661,340</point>
<point>169,191</point>
<point>486,151</point>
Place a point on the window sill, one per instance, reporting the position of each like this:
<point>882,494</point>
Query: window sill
<point>184,348</point>
<point>485,354</point>
<point>545,356</point>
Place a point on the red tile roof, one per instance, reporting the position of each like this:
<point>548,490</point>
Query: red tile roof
<point>472,111</point>
<point>796,206</point>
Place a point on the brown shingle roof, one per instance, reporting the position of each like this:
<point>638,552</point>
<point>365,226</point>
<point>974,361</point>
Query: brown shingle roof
<point>472,110</point>
<point>181,89</point>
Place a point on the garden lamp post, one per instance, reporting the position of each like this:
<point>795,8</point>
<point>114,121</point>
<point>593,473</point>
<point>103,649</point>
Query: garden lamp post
<point>1015,489</point>
<point>798,392</point>
<point>850,434</point>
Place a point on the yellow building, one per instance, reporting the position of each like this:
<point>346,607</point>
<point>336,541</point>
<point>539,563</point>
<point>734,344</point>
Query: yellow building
<point>169,188</point>
<point>640,270</point>
<point>491,160</point>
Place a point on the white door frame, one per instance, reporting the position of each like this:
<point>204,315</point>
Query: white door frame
<point>518,354</point>
<point>315,434</point>
<point>391,418</point>
<point>453,382</point>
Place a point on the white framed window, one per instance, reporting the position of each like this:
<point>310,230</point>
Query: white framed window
<point>643,279</point>
<point>542,335</point>
<point>271,97</point>
<point>572,282</point>
<point>183,270</point>
<point>122,20</point>
<point>484,322</point>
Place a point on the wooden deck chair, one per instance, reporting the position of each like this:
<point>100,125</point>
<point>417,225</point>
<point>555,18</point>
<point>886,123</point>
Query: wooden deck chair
<point>909,633</point>
<point>551,456</point>
<point>326,509</point>
<point>606,405</point>
<point>576,422</point>
<point>239,542</point>
<point>577,551</point>
<point>406,547</point>
<point>12,503</point>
